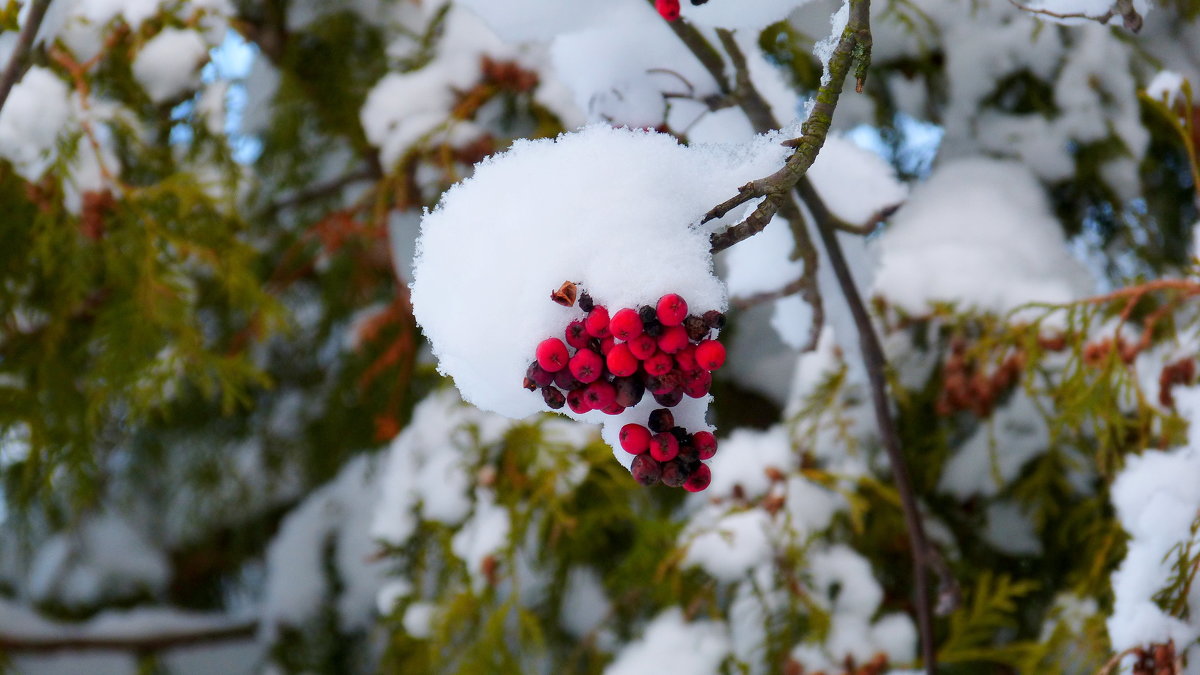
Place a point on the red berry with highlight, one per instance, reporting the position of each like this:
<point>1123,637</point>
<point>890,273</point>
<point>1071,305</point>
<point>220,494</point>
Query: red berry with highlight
<point>625,324</point>
<point>699,480</point>
<point>664,446</point>
<point>587,366</point>
<point>577,335</point>
<point>597,322</point>
<point>686,359</point>
<point>552,355</point>
<point>621,362</point>
<point>710,355</point>
<point>643,346</point>
<point>705,444</point>
<point>673,339</point>
<point>606,344</point>
<point>635,439</point>
<point>660,364</point>
<point>599,395</point>
<point>672,310</point>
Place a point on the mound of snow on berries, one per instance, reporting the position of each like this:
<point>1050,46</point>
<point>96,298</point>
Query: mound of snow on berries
<point>611,209</point>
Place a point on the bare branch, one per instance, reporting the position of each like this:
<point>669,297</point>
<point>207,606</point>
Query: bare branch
<point>150,642</point>
<point>752,225</point>
<point>17,62</point>
<point>1124,8</point>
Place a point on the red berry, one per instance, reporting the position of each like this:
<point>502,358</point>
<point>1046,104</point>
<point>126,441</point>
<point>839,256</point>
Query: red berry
<point>667,9</point>
<point>699,479</point>
<point>577,335</point>
<point>621,362</point>
<point>599,395</point>
<point>659,364</point>
<point>673,473</point>
<point>698,385</point>
<point>710,355</point>
<point>587,366</point>
<point>686,359</point>
<point>552,355</point>
<point>540,376</point>
<point>635,439</point>
<point>645,470</point>
<point>613,408</point>
<point>705,444</point>
<point>577,402</point>
<point>670,399</point>
<point>661,420</point>
<point>625,324</point>
<point>672,310</point>
<point>553,398</point>
<point>606,345</point>
<point>643,346</point>
<point>673,339</point>
<point>664,446</point>
<point>597,322</point>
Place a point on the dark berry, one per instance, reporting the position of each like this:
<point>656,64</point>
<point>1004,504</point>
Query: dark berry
<point>552,355</point>
<point>696,329</point>
<point>645,470</point>
<point>577,335</point>
<point>659,364</point>
<point>681,436</point>
<point>529,384</point>
<point>577,402</point>
<point>613,408</point>
<point>696,3</point>
<point>699,479</point>
<point>647,313</point>
<point>585,302</point>
<point>698,385</point>
<point>660,384</point>
<point>663,447</point>
<point>672,309</point>
<point>587,366</point>
<point>710,354</point>
<point>635,439</point>
<point>629,390</point>
<point>714,319</point>
<point>673,474</point>
<point>705,444</point>
<point>554,398</point>
<point>599,395</point>
<point>620,361</point>
<point>661,420</point>
<point>540,376</point>
<point>564,380</point>
<point>643,347</point>
<point>653,328</point>
<point>673,339</point>
<point>670,399</point>
<point>625,325</point>
<point>597,322</point>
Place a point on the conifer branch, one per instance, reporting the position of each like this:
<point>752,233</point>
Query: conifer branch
<point>17,62</point>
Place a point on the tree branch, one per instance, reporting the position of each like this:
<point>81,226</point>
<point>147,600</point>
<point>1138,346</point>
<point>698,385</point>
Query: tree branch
<point>140,643</point>
<point>1129,16</point>
<point>16,63</point>
<point>852,50</point>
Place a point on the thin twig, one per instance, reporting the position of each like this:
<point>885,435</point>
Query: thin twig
<point>1129,16</point>
<point>140,643</point>
<point>16,63</point>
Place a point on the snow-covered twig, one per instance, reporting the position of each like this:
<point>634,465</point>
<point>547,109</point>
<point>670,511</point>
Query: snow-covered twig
<point>16,62</point>
<point>1129,16</point>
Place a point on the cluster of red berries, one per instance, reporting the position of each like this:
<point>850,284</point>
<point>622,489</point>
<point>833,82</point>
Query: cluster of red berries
<point>609,363</point>
<point>667,453</point>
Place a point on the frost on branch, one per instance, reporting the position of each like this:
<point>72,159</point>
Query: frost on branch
<point>613,210</point>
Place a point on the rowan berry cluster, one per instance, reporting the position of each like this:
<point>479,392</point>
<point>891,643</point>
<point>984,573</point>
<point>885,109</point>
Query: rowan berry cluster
<point>609,362</point>
<point>667,453</point>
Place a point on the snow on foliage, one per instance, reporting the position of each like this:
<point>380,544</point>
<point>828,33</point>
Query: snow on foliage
<point>671,644</point>
<point>611,209</point>
<point>169,63</point>
<point>978,233</point>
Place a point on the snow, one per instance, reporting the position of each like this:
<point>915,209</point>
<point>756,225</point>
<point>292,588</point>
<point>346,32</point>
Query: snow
<point>1166,86</point>
<point>670,644</point>
<point>744,456</point>
<point>978,233</point>
<point>544,213</point>
<point>482,536</point>
<point>728,547</point>
<point>982,464</point>
<point>585,605</point>
<point>36,112</point>
<point>169,63</point>
<point>737,14</point>
<point>824,49</point>
<point>418,619</point>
